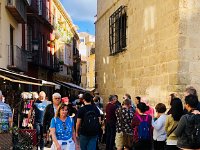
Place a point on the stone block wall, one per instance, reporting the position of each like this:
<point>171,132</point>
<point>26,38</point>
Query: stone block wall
<point>189,43</point>
<point>162,49</point>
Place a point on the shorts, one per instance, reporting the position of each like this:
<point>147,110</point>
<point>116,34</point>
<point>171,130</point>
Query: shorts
<point>65,145</point>
<point>119,140</point>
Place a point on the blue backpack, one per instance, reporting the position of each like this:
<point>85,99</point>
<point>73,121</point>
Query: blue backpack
<point>143,131</point>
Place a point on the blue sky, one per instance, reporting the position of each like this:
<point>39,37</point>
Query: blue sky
<point>82,13</point>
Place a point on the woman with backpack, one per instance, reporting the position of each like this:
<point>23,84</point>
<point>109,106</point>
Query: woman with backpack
<point>172,123</point>
<point>62,130</point>
<point>142,128</point>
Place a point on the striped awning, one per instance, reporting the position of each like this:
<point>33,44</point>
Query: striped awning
<point>19,78</point>
<point>71,86</point>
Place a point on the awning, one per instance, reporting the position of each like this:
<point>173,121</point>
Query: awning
<point>71,86</point>
<point>48,83</point>
<point>18,78</point>
<point>90,89</point>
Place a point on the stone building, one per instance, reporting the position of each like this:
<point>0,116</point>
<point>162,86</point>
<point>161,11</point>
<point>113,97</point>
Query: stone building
<point>147,48</point>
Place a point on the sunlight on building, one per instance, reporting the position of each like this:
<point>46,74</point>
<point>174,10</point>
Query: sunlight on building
<point>149,18</point>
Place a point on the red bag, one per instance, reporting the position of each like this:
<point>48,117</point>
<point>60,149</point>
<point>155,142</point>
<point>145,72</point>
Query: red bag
<point>32,133</point>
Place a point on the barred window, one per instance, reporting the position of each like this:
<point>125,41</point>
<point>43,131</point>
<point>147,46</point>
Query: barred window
<point>117,30</point>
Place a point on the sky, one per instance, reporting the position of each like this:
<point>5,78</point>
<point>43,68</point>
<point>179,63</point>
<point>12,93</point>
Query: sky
<point>82,13</point>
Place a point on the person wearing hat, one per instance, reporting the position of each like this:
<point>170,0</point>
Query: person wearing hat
<point>6,115</point>
<point>79,102</point>
<point>96,93</point>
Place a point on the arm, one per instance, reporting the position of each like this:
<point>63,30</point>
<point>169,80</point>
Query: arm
<point>73,135</point>
<point>158,123</point>
<point>135,121</point>
<point>181,125</point>
<point>30,113</point>
<point>10,122</point>
<point>100,120</point>
<point>78,124</point>
<point>45,119</point>
<point>53,134</point>
<point>10,119</point>
<point>167,124</point>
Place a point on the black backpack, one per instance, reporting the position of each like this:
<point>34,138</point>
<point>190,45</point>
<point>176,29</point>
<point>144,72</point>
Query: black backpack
<point>193,128</point>
<point>90,124</point>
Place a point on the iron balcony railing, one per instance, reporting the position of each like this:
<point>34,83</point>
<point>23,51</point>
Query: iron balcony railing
<point>39,59</point>
<point>46,14</point>
<point>17,58</point>
<point>17,8</point>
<point>33,6</point>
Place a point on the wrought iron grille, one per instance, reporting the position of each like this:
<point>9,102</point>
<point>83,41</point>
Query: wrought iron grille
<point>117,30</point>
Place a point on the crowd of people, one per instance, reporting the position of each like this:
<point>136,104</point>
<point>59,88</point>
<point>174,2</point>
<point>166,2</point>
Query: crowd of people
<point>83,123</point>
<point>136,126</point>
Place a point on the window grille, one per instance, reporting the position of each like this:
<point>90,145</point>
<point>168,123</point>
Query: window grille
<point>117,30</point>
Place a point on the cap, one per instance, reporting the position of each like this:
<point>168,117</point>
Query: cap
<point>80,96</point>
<point>65,99</point>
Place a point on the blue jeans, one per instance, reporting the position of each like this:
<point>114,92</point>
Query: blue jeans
<point>88,142</point>
<point>39,128</point>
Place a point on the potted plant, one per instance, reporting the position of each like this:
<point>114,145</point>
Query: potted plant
<point>61,62</point>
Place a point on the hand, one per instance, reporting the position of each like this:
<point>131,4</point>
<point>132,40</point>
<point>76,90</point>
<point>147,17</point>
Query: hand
<point>196,112</point>
<point>158,115</point>
<point>58,147</point>
<point>76,135</point>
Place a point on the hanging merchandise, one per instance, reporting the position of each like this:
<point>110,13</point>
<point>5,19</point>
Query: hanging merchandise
<point>28,99</point>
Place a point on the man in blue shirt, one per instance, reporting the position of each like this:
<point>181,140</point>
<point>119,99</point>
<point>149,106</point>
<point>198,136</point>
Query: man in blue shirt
<point>5,115</point>
<point>39,109</point>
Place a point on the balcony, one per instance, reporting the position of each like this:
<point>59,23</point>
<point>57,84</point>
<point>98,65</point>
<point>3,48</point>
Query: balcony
<point>17,58</point>
<point>33,7</point>
<point>17,8</point>
<point>38,59</point>
<point>46,14</point>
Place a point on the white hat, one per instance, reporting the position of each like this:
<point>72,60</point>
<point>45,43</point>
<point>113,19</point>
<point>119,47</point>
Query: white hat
<point>80,96</point>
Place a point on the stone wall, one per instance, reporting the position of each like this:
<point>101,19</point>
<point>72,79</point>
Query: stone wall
<point>189,43</point>
<point>162,53</point>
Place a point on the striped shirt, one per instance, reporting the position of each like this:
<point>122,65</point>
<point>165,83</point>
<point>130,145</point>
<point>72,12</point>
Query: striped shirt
<point>5,114</point>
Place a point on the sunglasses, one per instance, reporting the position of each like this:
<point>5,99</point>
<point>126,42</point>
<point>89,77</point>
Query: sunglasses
<point>64,125</point>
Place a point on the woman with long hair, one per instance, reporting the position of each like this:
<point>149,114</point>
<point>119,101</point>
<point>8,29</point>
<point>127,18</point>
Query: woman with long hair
<point>172,123</point>
<point>62,130</point>
<point>172,96</point>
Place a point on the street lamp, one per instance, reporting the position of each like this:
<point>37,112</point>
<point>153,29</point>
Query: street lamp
<point>35,45</point>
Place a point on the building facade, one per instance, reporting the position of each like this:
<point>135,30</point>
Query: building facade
<point>86,50</point>
<point>38,39</point>
<point>43,61</point>
<point>65,39</point>
<point>147,48</point>
<point>12,18</point>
